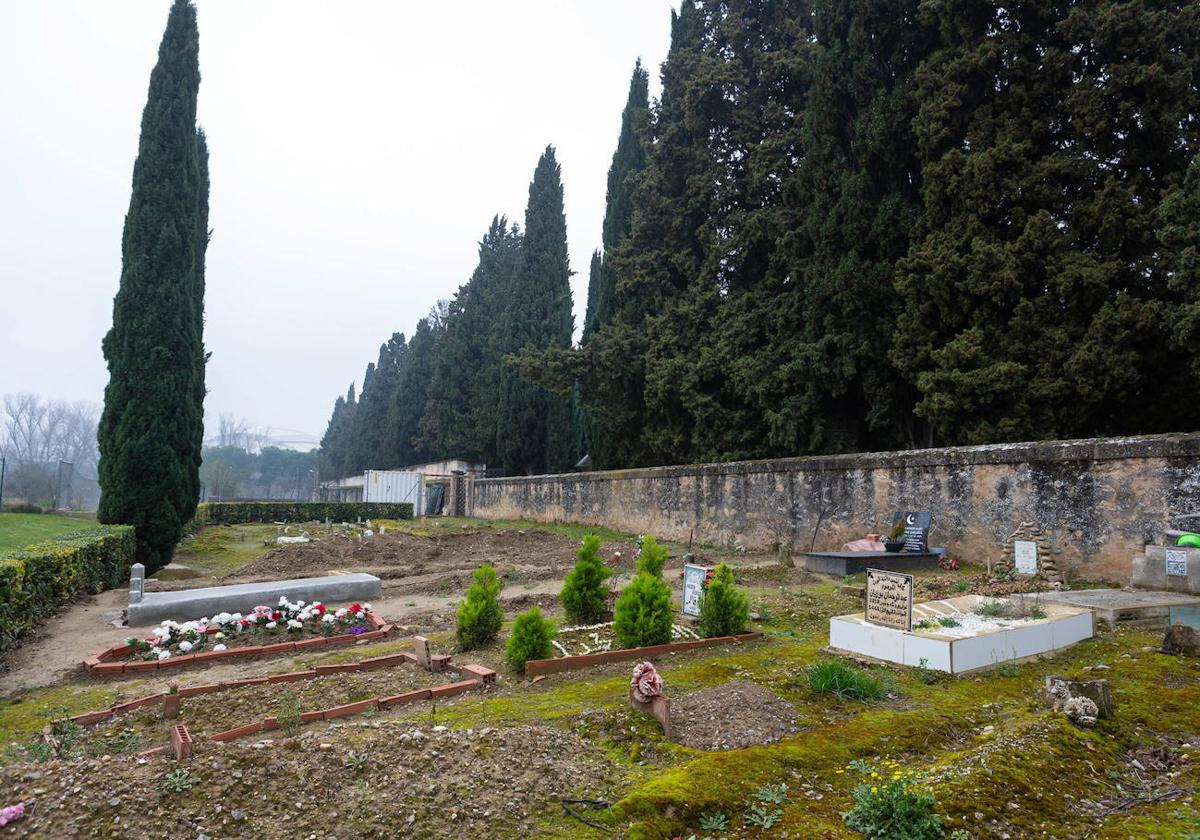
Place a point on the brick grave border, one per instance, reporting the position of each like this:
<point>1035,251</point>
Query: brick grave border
<point>105,664</point>
<point>540,667</point>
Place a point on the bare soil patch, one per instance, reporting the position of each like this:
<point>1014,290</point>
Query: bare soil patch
<point>731,716</point>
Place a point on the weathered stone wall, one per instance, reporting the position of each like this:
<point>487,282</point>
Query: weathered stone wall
<point>1099,501</point>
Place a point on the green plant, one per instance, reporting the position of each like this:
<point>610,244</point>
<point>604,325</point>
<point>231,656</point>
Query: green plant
<point>961,585</point>
<point>531,639</point>
<point>714,821</point>
<point>179,780</point>
<point>643,615</point>
<point>772,794</point>
<point>948,621</point>
<point>652,557</point>
<point>893,808</point>
<point>38,579</point>
<point>844,681</point>
<point>1037,612</point>
<point>725,610</point>
<point>356,762</point>
<point>898,529</point>
<point>760,816</point>
<point>925,674</point>
<point>991,609</point>
<point>287,711</point>
<point>240,513</point>
<point>583,592</point>
<point>480,615</point>
<point>127,741</point>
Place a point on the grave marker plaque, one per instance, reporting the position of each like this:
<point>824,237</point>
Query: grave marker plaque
<point>916,529</point>
<point>1176,563</point>
<point>889,599</point>
<point>1025,557</point>
<point>693,588</point>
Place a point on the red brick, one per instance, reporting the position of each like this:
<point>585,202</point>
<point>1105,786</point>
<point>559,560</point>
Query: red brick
<point>293,676</point>
<point>244,683</point>
<point>192,691</point>
<point>92,661</point>
<point>376,620</point>
<point>109,669</point>
<point>401,699</point>
<point>279,647</point>
<point>346,639</point>
<point>453,688</point>
<point>350,709</point>
<point>178,661</point>
<point>133,705</point>
<point>114,653</point>
<point>344,668</point>
<point>311,643</point>
<point>270,723</point>
<point>388,661</point>
<point>181,742</point>
<point>309,717</point>
<point>371,635</point>
<point>241,731</point>
<point>139,667</point>
<point>208,656</point>
<point>90,718</point>
<point>483,675</point>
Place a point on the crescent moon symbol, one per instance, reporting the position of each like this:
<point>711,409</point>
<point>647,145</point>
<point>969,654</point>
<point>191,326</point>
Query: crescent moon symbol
<point>911,519</point>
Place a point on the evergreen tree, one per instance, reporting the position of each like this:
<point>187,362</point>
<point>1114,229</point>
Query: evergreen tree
<point>460,414</point>
<point>534,426</point>
<point>1034,295</point>
<point>378,395</point>
<point>1180,237</point>
<point>151,431</point>
<point>412,388</point>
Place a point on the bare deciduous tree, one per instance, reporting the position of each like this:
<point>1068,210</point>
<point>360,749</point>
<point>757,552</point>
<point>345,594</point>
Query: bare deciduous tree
<point>50,448</point>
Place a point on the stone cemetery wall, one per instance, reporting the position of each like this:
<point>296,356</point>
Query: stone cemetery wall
<point>1095,503</point>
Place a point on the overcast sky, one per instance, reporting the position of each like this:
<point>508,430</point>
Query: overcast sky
<point>358,152</point>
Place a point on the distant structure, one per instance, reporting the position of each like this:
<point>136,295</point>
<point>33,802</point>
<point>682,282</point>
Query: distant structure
<point>437,488</point>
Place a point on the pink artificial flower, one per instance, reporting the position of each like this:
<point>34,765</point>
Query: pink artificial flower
<point>11,814</point>
<point>646,682</point>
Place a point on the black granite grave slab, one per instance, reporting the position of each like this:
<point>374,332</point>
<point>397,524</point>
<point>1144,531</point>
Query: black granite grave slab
<point>842,563</point>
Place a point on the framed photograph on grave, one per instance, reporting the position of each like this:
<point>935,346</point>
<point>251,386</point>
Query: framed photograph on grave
<point>1025,557</point>
<point>889,599</point>
<point>693,588</point>
<point>1176,563</point>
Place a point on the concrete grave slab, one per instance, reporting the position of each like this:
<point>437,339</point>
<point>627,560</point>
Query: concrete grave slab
<point>187,604</point>
<point>1173,568</point>
<point>1127,607</point>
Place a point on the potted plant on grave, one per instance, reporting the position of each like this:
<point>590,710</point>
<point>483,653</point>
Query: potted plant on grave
<point>895,537</point>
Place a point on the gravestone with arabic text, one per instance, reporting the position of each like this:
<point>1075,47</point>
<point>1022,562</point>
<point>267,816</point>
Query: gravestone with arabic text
<point>889,599</point>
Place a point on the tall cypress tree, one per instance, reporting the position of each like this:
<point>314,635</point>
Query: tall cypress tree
<point>151,430</point>
<point>534,426</point>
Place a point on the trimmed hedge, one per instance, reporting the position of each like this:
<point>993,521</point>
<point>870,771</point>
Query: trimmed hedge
<point>40,578</point>
<point>239,513</point>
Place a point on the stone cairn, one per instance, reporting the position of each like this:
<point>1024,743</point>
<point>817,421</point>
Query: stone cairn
<point>1047,563</point>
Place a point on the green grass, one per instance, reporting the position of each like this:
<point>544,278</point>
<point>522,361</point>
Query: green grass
<point>18,530</point>
<point>218,550</point>
<point>844,681</point>
<point>458,524</point>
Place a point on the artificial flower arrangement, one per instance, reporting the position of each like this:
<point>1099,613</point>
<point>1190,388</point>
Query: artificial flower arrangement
<point>172,637</point>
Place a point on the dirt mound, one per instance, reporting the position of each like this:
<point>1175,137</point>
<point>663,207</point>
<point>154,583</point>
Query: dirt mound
<point>731,716</point>
<point>429,564</point>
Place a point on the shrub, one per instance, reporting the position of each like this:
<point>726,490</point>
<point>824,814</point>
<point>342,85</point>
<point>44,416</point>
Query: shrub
<point>583,591</point>
<point>479,615</point>
<point>725,609</point>
<point>652,557</point>
<point>531,639</point>
<point>643,615</point>
<point>240,513</point>
<point>844,681</point>
<point>893,809</point>
<point>40,578</point>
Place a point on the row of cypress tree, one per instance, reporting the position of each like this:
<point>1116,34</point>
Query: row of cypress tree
<point>850,225</point>
<point>445,391</point>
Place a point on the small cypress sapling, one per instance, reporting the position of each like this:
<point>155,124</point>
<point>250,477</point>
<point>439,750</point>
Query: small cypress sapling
<point>531,639</point>
<point>725,608</point>
<point>583,591</point>
<point>480,615</point>
<point>653,557</point>
<point>643,615</point>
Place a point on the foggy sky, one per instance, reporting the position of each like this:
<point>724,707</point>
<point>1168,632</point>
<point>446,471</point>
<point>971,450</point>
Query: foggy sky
<point>358,152</point>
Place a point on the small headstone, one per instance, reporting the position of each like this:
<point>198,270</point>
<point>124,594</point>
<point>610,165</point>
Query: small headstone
<point>421,647</point>
<point>693,588</point>
<point>136,590</point>
<point>137,572</point>
<point>1061,690</point>
<point>889,599</point>
<point>916,529</point>
<point>1177,565</point>
<point>1025,557</point>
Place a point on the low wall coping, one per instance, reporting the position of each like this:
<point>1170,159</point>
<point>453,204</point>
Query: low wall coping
<point>1186,445</point>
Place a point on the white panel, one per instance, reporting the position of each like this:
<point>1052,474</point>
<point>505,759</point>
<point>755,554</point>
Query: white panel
<point>1071,629</point>
<point>935,653</point>
<point>980,652</point>
<point>868,639</point>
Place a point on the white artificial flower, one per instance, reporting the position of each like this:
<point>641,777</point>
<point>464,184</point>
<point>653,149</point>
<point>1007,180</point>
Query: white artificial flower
<point>328,618</point>
<point>220,636</point>
<point>164,654</point>
<point>341,613</point>
<point>271,625</point>
<point>185,646</point>
<point>283,601</point>
<point>218,647</point>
